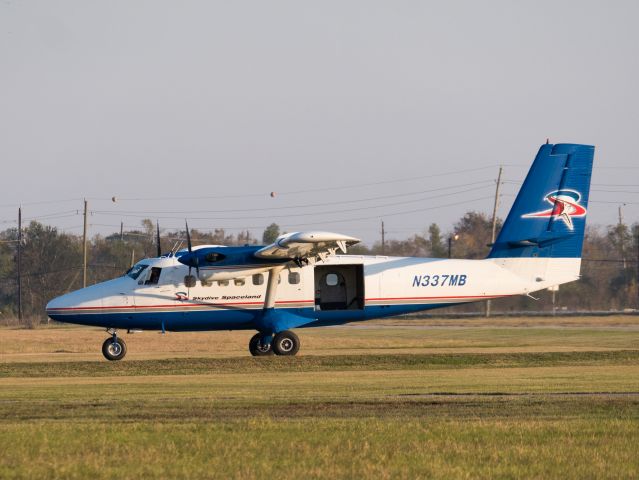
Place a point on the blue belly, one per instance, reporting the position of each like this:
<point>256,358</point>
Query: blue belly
<point>231,319</point>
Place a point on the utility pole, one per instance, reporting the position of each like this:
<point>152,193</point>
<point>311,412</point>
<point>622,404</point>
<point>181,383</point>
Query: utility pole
<point>121,231</point>
<point>20,264</point>
<point>495,205</point>
<point>84,247</point>
<point>383,239</point>
<point>621,239</point>
<point>492,236</point>
<point>637,282</point>
<point>450,244</point>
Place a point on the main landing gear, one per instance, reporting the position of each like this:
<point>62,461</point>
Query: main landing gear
<point>283,343</point>
<point>259,349</point>
<point>114,348</point>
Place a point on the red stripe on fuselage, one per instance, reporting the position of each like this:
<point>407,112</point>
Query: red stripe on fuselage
<point>281,302</point>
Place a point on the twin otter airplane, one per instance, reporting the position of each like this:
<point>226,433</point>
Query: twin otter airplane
<point>302,280</point>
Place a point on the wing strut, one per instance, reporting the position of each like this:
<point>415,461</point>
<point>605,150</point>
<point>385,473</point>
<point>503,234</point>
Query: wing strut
<point>271,286</point>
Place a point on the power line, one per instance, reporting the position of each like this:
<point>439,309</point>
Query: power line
<point>614,191</point>
<point>517,182</point>
<point>326,212</point>
<point>615,202</point>
<point>297,207</point>
<point>48,216</point>
<point>286,225</point>
<point>406,212</point>
<point>312,190</point>
<point>42,202</point>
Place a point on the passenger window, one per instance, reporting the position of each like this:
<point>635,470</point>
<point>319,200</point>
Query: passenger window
<point>239,282</point>
<point>258,279</point>
<point>154,277</point>
<point>332,279</point>
<point>293,278</point>
<point>223,283</point>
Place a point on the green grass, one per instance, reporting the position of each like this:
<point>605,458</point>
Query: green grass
<point>584,446</point>
<point>195,366</point>
<point>566,414</point>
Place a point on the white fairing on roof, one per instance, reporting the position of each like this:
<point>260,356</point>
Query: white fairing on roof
<point>306,244</point>
<point>198,247</point>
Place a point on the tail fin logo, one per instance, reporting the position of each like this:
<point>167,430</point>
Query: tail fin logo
<point>565,206</point>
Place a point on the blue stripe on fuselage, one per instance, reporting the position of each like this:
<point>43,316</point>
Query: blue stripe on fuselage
<point>231,319</point>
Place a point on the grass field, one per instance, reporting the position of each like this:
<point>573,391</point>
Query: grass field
<point>431,399</point>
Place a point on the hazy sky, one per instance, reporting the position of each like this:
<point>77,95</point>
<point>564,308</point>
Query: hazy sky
<point>224,102</point>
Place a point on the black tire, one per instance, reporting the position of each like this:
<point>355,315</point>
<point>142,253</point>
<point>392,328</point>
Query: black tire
<point>114,350</point>
<point>286,343</point>
<point>256,349</point>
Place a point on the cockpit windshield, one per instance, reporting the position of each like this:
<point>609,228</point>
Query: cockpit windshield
<point>135,271</point>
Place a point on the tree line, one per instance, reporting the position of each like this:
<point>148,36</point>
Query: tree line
<point>52,261</point>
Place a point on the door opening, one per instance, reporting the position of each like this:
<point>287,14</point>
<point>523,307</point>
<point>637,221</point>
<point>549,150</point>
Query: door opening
<point>339,287</point>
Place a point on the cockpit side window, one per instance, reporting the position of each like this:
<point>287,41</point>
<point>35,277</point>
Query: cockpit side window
<point>135,271</point>
<point>154,278</point>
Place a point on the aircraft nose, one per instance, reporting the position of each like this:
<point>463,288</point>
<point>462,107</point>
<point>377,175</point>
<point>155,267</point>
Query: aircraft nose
<point>85,302</point>
<point>55,303</point>
<point>61,306</point>
<point>56,306</point>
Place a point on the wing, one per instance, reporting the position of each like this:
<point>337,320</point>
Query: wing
<point>306,246</point>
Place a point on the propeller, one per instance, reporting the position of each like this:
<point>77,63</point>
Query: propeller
<point>159,244</point>
<point>193,260</point>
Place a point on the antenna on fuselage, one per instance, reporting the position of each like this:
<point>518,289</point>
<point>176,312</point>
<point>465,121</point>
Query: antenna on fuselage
<point>176,246</point>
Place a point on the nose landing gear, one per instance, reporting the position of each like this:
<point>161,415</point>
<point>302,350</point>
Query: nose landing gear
<point>114,348</point>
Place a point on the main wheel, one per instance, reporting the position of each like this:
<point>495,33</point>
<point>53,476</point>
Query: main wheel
<point>114,349</point>
<point>286,343</point>
<point>257,349</point>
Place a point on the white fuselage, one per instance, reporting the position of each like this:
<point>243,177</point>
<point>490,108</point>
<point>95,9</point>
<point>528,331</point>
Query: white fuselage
<point>364,287</point>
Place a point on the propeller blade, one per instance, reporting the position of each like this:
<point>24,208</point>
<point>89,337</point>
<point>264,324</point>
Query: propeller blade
<point>159,245</point>
<point>190,247</point>
<point>188,237</point>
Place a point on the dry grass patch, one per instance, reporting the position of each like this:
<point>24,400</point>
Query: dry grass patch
<point>66,343</point>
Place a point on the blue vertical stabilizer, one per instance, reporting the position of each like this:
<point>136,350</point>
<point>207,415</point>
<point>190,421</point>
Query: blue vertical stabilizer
<point>548,218</point>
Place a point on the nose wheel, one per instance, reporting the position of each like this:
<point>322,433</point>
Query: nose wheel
<point>114,348</point>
